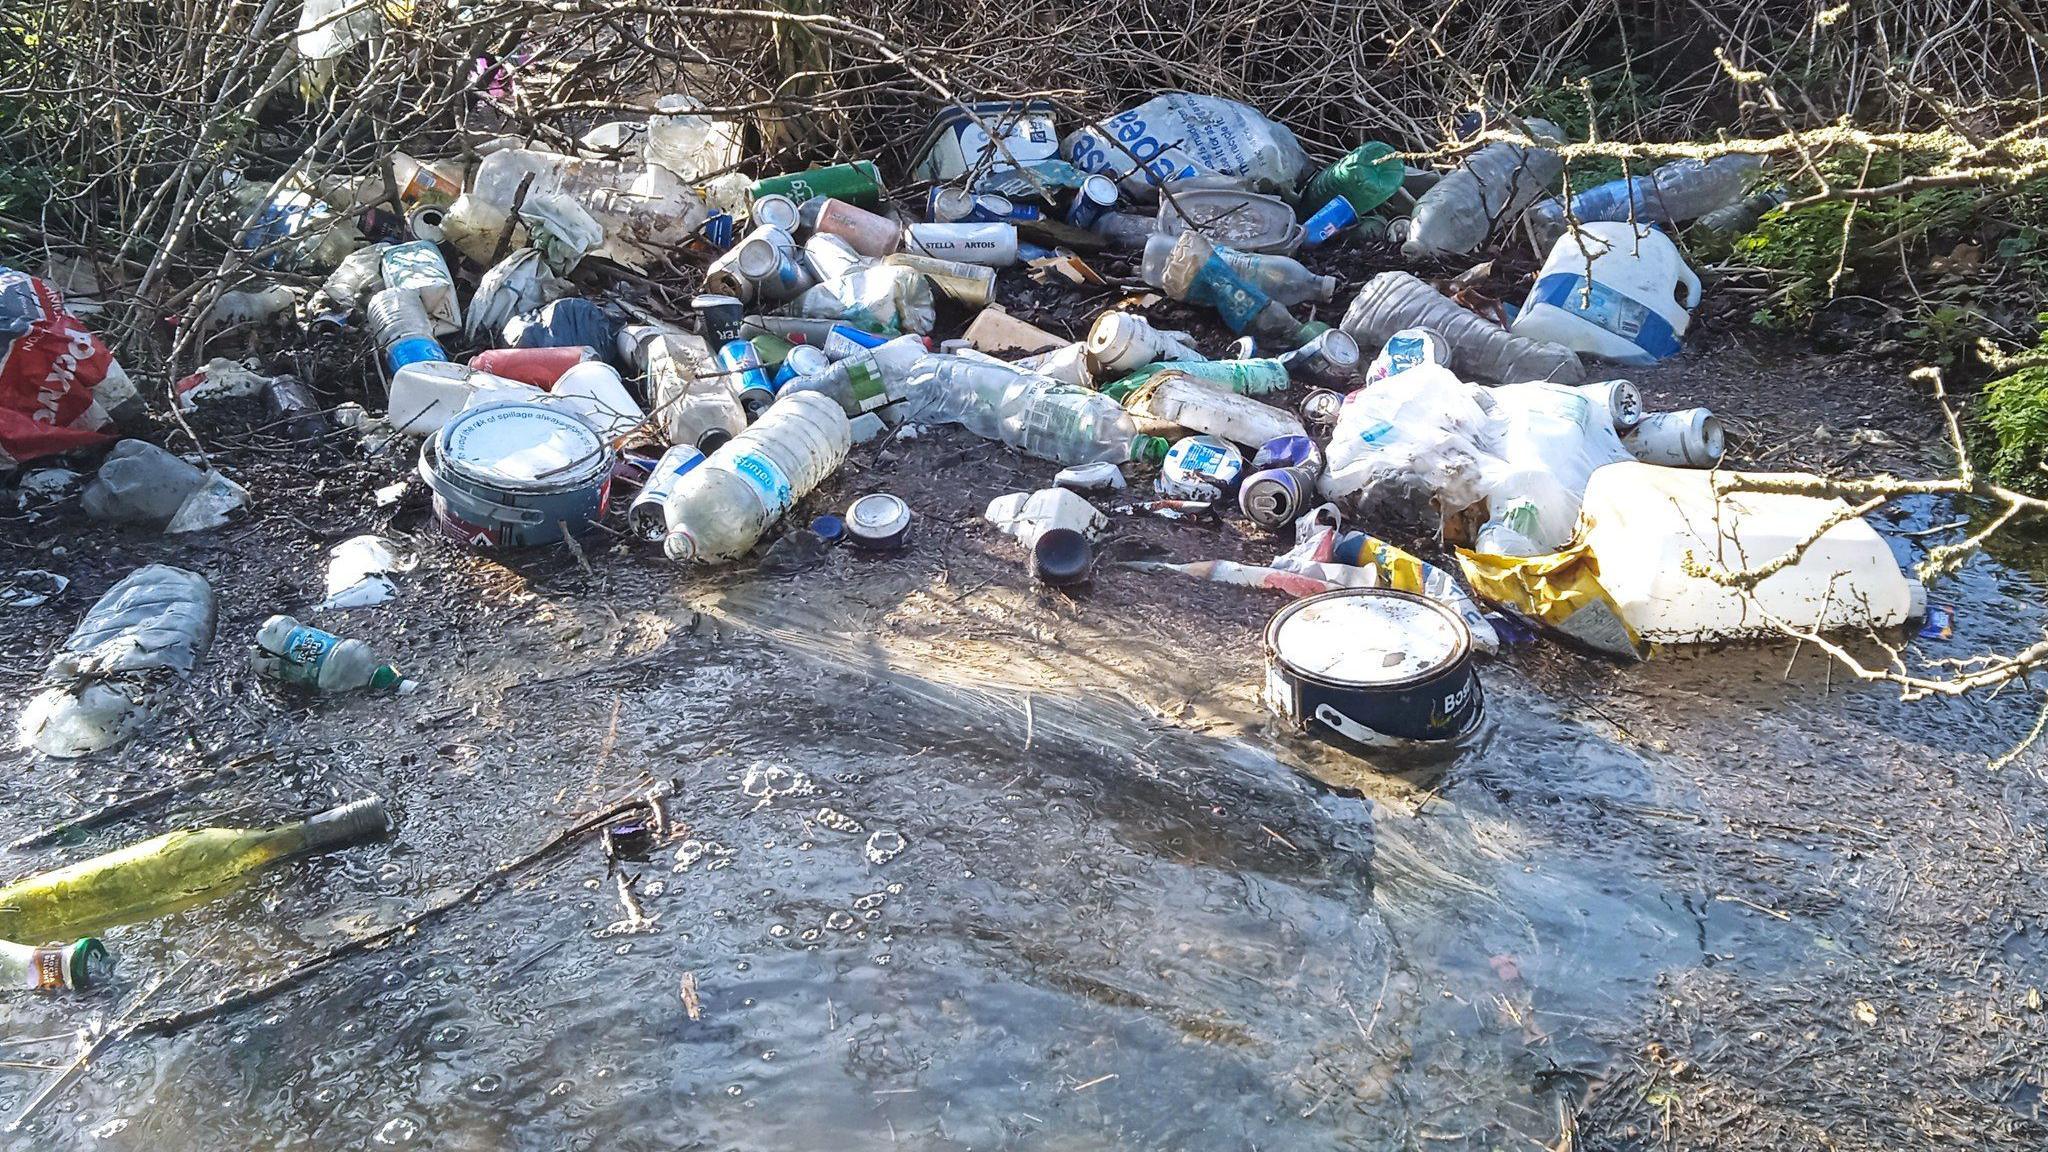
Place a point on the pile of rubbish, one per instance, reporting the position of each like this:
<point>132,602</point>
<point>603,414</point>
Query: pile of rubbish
<point>535,411</point>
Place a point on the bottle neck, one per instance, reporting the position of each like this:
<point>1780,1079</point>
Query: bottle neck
<point>357,820</point>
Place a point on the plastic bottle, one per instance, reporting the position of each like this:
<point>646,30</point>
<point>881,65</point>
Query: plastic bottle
<point>1493,184</point>
<point>1367,177</point>
<point>75,966</point>
<point>693,146</point>
<point>1672,194</point>
<point>1035,415</point>
<point>1729,221</point>
<point>723,505</point>
<point>1173,400</point>
<point>416,266</point>
<point>1281,278</point>
<point>696,402</point>
<point>439,182</point>
<point>641,212</point>
<point>347,288</point>
<point>399,324</point>
<point>1479,349</point>
<point>868,379</point>
<point>169,872</point>
<point>1194,274</point>
<point>298,654</point>
<point>1256,377</point>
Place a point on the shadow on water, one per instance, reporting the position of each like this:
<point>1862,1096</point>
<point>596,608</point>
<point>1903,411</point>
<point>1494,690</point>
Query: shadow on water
<point>1125,913</point>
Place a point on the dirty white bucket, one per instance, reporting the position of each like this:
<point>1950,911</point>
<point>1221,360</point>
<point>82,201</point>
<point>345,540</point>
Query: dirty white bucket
<point>1612,290</point>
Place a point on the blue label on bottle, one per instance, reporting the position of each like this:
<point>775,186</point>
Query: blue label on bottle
<point>768,482</point>
<point>1617,312</point>
<point>305,654</point>
<point>1237,302</point>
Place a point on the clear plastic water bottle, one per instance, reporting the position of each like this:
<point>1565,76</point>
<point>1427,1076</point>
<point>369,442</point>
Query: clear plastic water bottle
<point>1281,278</point>
<point>1037,416</point>
<point>868,379</point>
<point>1493,184</point>
<point>399,324</point>
<point>348,287</point>
<point>1479,349</point>
<point>722,506</point>
<point>1672,194</point>
<point>297,654</point>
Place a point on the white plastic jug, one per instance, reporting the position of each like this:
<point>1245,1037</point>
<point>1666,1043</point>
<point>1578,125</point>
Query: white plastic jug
<point>1643,521</point>
<point>1611,290</point>
<point>427,393</point>
<point>594,392</point>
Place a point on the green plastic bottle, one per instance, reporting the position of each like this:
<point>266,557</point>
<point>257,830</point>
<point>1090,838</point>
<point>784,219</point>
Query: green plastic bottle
<point>169,872</point>
<point>1367,177</point>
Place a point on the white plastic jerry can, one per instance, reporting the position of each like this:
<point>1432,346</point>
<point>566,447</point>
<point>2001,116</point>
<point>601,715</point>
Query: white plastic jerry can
<point>1612,289</point>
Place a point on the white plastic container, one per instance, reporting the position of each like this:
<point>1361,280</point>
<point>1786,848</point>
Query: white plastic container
<point>416,266</point>
<point>1643,522</point>
<point>992,244</point>
<point>426,394</point>
<point>1612,289</point>
<point>594,392</point>
<point>724,505</point>
<point>1029,515</point>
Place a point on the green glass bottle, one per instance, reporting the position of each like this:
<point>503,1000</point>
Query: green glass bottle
<point>169,872</point>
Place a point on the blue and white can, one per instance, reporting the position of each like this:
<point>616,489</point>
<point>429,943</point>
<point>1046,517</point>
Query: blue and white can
<point>803,360</point>
<point>717,230</point>
<point>741,366</point>
<point>1328,221</point>
<point>1096,195</point>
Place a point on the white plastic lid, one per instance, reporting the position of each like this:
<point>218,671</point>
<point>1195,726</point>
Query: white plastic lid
<point>522,446</point>
<point>1368,637</point>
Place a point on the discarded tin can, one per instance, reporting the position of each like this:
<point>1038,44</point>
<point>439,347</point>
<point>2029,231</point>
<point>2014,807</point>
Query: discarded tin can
<point>866,232</point>
<point>959,206</point>
<point>801,360</point>
<point>721,316</point>
<point>775,211</point>
<point>1331,358</point>
<point>1200,468</point>
<point>1321,407</point>
<point>1689,439</point>
<point>769,259</point>
<point>1283,482</point>
<point>645,515</point>
<point>878,523</point>
<point>1328,221</point>
<point>291,405</point>
<point>970,284</point>
<point>1096,195</point>
<point>857,183</point>
<point>717,230</point>
<point>741,365</point>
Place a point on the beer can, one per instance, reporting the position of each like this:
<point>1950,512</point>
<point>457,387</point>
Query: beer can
<point>1096,195</point>
<point>741,366</point>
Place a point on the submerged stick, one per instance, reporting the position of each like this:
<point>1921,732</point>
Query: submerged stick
<point>263,990</point>
<point>84,1059</point>
<point>198,782</point>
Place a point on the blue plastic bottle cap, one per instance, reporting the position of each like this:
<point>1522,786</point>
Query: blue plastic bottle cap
<point>831,529</point>
<point>1061,556</point>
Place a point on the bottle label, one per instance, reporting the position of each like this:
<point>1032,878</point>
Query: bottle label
<point>1598,304</point>
<point>49,965</point>
<point>305,654</point>
<point>869,390</point>
<point>769,484</point>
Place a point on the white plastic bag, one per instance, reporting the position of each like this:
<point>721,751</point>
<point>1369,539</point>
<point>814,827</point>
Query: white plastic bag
<point>1418,435</point>
<point>518,283</point>
<point>1180,135</point>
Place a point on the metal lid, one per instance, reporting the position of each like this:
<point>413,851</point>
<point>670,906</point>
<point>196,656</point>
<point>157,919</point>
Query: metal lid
<point>879,521</point>
<point>1368,637</point>
<point>515,446</point>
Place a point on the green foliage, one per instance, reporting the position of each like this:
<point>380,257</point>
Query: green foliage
<point>2014,412</point>
<point>1838,247</point>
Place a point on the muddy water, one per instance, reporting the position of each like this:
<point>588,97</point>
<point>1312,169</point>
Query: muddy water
<point>957,865</point>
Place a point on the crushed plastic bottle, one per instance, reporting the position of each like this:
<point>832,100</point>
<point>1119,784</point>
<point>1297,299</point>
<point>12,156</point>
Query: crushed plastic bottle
<point>1672,194</point>
<point>1281,278</point>
<point>296,653</point>
<point>348,288</point>
<point>1174,400</point>
<point>1479,350</point>
<point>868,379</point>
<point>1724,224</point>
<point>1194,274</point>
<point>1037,416</point>
<point>884,298</point>
<point>697,403</point>
<point>722,506</point>
<point>1493,185</point>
